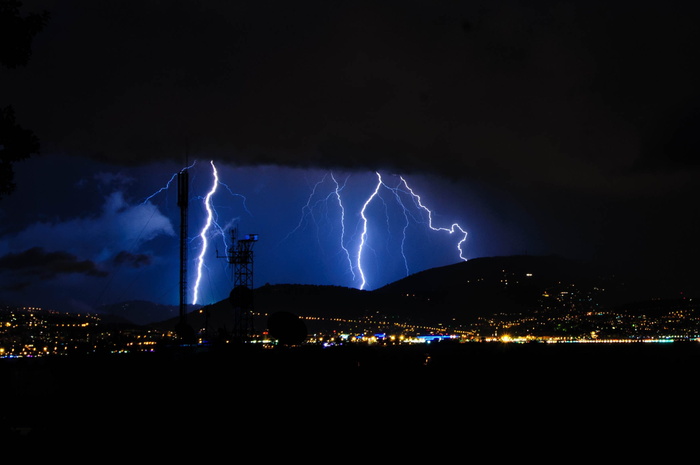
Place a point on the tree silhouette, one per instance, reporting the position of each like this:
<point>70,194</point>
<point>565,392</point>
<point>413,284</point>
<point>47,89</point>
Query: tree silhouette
<point>287,328</point>
<point>16,144</point>
<point>16,35</point>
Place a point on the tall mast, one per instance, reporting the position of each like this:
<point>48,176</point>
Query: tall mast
<point>183,329</point>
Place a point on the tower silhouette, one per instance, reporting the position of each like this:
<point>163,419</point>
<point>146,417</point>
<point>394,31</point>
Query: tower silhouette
<point>183,329</point>
<point>240,256</point>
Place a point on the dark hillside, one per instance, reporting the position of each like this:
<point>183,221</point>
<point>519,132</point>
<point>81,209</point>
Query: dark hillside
<point>454,293</point>
<point>484,286</point>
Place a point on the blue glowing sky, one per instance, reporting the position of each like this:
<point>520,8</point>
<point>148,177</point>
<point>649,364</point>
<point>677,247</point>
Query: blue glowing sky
<point>538,128</point>
<point>124,229</point>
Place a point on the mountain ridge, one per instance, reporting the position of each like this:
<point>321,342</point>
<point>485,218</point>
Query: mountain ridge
<point>465,290</point>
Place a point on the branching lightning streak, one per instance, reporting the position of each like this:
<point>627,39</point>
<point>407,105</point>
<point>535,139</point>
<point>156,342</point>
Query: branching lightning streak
<point>216,224</point>
<point>305,208</point>
<point>342,223</point>
<point>363,237</point>
<point>245,207</point>
<point>416,198</point>
<point>405,226</point>
<point>401,192</point>
<point>167,186</point>
<point>308,210</point>
<point>211,221</point>
<point>205,230</point>
<point>451,230</point>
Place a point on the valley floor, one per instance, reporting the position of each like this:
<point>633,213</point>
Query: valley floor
<point>128,396</point>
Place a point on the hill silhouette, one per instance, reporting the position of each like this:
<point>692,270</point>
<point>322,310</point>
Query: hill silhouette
<point>459,292</point>
<point>485,286</point>
<point>140,312</point>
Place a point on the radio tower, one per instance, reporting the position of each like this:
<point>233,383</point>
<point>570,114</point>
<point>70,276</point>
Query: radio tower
<point>240,256</point>
<point>183,329</point>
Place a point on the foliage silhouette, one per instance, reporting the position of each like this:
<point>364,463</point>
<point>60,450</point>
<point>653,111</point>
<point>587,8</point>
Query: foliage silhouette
<point>287,328</point>
<point>16,36</point>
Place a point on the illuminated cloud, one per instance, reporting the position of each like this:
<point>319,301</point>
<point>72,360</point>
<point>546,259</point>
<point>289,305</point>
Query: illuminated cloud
<point>118,227</point>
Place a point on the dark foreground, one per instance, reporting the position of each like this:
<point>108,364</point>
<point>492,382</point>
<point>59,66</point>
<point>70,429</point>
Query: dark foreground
<point>253,394</point>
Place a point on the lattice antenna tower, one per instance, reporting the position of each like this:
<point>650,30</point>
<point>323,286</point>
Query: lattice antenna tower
<point>240,256</point>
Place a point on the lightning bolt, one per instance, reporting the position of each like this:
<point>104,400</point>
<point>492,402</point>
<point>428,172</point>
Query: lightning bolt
<point>363,236</point>
<point>412,210</point>
<point>203,234</point>
<point>167,185</point>
<point>211,219</point>
<point>245,207</point>
<point>338,188</point>
<point>452,229</point>
<point>406,213</point>
<point>417,200</point>
<point>215,220</point>
<point>306,210</point>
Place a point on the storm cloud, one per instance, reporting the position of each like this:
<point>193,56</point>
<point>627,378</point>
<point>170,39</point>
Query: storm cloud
<point>47,265</point>
<point>543,93</point>
<point>546,127</point>
<point>131,259</point>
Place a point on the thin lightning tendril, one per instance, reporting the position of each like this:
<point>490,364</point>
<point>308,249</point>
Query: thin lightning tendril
<point>167,186</point>
<point>395,190</point>
<point>220,229</point>
<point>245,207</point>
<point>304,209</point>
<point>342,223</point>
<point>310,206</point>
<point>450,230</point>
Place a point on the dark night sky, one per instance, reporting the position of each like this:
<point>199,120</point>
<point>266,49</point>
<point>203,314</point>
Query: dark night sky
<point>538,127</point>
